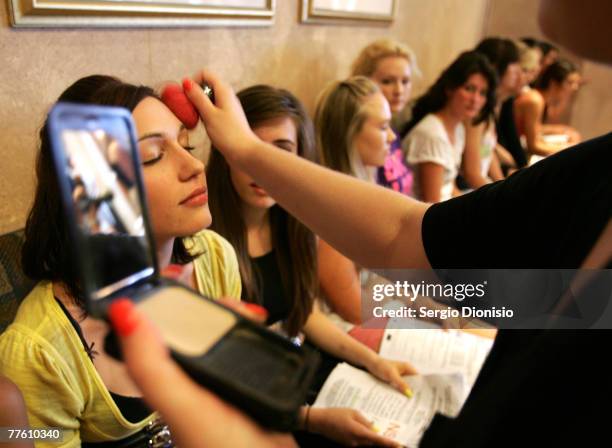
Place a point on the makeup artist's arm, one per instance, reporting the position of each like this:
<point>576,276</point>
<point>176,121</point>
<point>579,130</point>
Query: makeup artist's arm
<point>320,331</point>
<point>195,415</point>
<point>373,226</point>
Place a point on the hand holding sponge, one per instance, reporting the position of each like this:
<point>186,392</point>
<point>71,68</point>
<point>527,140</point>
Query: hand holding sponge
<point>175,99</point>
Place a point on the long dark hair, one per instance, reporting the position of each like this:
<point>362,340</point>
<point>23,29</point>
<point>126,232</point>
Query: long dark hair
<point>558,72</point>
<point>500,52</point>
<point>47,249</point>
<point>455,75</point>
<point>294,244</point>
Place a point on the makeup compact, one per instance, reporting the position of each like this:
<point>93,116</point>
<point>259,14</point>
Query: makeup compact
<point>98,170</point>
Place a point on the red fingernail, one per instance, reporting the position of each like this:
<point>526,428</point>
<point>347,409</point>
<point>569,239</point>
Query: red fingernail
<point>173,270</point>
<point>187,84</point>
<point>122,316</point>
<point>257,309</point>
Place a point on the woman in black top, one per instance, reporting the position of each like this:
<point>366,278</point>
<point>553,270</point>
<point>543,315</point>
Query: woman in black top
<point>277,256</point>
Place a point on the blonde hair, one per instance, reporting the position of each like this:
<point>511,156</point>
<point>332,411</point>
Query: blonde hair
<point>528,56</point>
<point>365,64</point>
<point>339,116</point>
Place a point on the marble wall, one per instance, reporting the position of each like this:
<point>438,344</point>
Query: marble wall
<point>38,64</point>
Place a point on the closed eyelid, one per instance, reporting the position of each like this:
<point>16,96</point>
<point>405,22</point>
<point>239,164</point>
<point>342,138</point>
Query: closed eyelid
<point>150,135</point>
<point>162,135</point>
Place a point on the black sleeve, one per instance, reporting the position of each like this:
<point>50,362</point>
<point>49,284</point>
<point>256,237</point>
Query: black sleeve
<point>507,135</point>
<point>545,216</point>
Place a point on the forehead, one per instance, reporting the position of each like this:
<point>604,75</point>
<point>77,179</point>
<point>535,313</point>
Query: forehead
<point>281,128</point>
<point>393,65</point>
<point>376,106</point>
<point>477,79</point>
<point>151,115</point>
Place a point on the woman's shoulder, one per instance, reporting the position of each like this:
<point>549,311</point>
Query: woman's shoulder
<point>430,128</point>
<point>40,338</point>
<point>429,124</point>
<point>529,97</point>
<point>428,142</point>
<point>35,309</point>
<point>41,324</point>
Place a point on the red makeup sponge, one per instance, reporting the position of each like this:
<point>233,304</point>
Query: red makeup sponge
<point>176,100</point>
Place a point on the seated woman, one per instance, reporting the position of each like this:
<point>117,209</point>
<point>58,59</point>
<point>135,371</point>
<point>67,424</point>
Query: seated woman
<point>392,66</point>
<point>53,351</point>
<point>557,82</point>
<point>277,256</point>
<point>354,108</point>
<point>480,164</point>
<point>352,123</point>
<point>434,138</point>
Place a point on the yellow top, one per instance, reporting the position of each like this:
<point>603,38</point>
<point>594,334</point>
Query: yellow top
<point>216,268</point>
<point>42,353</point>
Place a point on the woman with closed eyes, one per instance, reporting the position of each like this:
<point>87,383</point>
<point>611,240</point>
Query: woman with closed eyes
<point>54,351</point>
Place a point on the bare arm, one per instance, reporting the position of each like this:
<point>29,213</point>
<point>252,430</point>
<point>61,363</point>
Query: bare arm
<point>346,212</point>
<point>471,162</point>
<point>533,110</point>
<point>495,171</point>
<point>504,156</point>
<point>13,412</point>
<point>324,334</point>
<point>431,176</point>
<point>340,283</point>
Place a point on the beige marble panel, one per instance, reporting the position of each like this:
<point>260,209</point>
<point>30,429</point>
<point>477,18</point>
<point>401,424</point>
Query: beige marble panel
<point>38,64</point>
<point>592,113</point>
<point>304,57</point>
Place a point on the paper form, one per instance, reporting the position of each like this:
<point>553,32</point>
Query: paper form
<point>437,351</point>
<point>400,418</point>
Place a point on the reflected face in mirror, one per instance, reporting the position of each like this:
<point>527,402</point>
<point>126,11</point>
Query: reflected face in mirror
<point>106,205</point>
<point>102,183</point>
<point>173,178</point>
<point>280,132</point>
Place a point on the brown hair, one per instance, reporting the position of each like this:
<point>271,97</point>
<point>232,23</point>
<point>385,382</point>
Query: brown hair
<point>294,244</point>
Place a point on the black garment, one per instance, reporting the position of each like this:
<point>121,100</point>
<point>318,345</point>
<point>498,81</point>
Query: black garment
<point>133,409</point>
<point>278,304</point>
<point>328,364</point>
<point>537,388</point>
<point>275,300</point>
<point>507,135</point>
